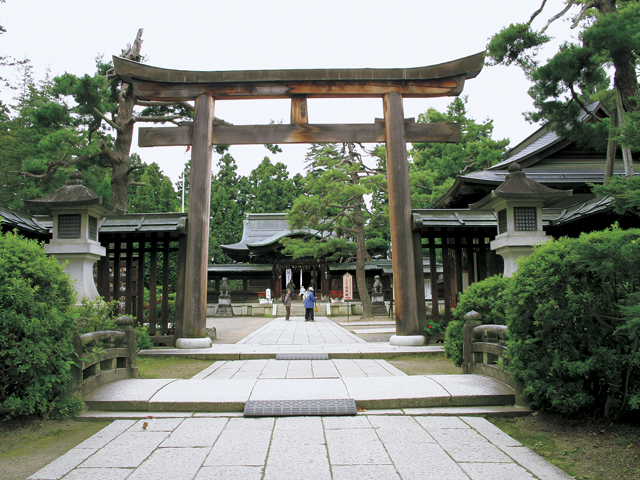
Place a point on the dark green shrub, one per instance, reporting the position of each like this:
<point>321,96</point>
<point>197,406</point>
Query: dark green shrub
<point>96,315</point>
<point>487,297</point>
<point>574,329</point>
<point>36,307</point>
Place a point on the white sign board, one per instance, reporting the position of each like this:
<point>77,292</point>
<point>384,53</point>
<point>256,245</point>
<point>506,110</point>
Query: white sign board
<point>268,293</point>
<point>347,286</point>
<point>288,276</point>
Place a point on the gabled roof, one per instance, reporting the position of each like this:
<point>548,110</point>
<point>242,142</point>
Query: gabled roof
<point>25,223</point>
<point>135,223</point>
<point>544,157</point>
<point>262,232</point>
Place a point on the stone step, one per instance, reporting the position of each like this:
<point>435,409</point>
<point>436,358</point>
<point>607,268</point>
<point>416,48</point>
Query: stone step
<point>220,395</point>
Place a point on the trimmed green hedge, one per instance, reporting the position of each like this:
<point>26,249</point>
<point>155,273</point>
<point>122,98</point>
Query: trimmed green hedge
<point>487,297</point>
<point>36,315</point>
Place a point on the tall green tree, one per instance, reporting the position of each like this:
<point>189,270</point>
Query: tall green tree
<point>604,53</point>
<point>269,188</point>
<point>435,166</point>
<point>334,208</point>
<point>155,194</point>
<point>94,116</point>
<point>228,206</point>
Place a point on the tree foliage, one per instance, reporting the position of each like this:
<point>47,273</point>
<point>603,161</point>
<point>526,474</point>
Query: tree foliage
<point>579,73</point>
<point>435,166</point>
<point>489,298</point>
<point>334,209</point>
<point>36,306</point>
<point>154,194</point>
<point>574,331</point>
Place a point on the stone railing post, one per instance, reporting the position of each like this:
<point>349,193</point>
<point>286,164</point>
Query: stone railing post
<point>472,319</point>
<point>125,324</point>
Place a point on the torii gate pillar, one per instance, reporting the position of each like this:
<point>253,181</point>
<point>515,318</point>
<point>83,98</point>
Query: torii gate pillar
<point>404,275</point>
<point>193,334</point>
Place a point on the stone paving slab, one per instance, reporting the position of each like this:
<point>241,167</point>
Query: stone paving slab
<point>202,395</point>
<point>373,392</point>
<point>365,446</point>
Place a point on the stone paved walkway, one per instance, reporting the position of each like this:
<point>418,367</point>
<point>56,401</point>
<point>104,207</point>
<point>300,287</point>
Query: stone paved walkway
<point>396,443</point>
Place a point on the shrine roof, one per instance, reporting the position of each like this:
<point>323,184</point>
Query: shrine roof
<point>22,221</point>
<point>134,223</point>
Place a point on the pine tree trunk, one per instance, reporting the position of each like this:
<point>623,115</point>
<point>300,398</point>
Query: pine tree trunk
<point>358,220</point>
<point>120,156</point>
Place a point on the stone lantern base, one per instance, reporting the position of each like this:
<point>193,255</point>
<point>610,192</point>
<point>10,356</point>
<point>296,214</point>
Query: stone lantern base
<point>78,261</point>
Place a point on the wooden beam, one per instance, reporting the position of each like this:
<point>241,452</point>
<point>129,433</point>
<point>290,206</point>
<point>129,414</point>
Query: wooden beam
<point>298,133</point>
<point>440,87</point>
<point>194,321</point>
<point>299,111</point>
<point>404,268</point>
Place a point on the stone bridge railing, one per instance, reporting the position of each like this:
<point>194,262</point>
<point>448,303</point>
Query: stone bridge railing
<point>104,357</point>
<point>484,348</point>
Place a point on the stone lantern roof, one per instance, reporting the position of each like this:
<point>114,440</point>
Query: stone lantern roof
<point>72,195</point>
<point>518,187</point>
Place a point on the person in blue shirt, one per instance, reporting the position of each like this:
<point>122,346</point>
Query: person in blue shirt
<point>309,305</point>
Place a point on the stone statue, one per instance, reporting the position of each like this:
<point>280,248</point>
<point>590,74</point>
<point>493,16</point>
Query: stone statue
<point>224,287</point>
<point>377,285</point>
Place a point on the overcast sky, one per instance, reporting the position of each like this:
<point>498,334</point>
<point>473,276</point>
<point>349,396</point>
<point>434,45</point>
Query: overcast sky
<point>67,35</point>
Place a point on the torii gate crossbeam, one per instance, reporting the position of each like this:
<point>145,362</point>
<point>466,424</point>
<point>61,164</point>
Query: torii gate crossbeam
<point>391,85</point>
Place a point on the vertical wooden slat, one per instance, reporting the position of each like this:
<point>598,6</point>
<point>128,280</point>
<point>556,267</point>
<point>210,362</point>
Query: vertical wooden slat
<point>195,310</point>
<point>129,283</point>
<point>434,277</point>
<point>141,274</point>
<point>446,276</point>
<point>482,257</point>
<point>458,268</point>
<point>182,261</point>
<point>116,267</point>
<point>417,252</point>
<point>153,260</point>
<point>165,280</point>
<point>404,277</point>
<point>472,259</point>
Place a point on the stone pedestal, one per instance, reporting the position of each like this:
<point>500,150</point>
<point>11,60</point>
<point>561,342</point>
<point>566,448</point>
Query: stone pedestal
<point>80,258</point>
<point>510,248</point>
<point>379,307</point>
<point>224,306</point>
<point>408,340</point>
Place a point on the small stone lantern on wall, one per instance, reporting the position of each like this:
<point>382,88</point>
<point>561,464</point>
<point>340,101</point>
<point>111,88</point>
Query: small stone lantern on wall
<point>76,212</point>
<point>517,203</point>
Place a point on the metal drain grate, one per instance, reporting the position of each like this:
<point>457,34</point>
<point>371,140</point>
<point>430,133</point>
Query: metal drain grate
<point>291,408</point>
<point>302,356</point>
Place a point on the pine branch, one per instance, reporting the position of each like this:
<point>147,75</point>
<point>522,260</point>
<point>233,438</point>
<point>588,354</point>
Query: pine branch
<point>134,168</point>
<point>53,167</point>
<point>537,12</point>
<point>163,119</point>
<point>103,117</point>
<point>580,15</point>
<point>558,15</point>
<point>582,105</point>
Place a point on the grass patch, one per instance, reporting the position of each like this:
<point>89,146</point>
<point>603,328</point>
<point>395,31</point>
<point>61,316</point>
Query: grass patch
<point>585,449</point>
<point>27,445</point>
<point>170,367</point>
<point>431,364</point>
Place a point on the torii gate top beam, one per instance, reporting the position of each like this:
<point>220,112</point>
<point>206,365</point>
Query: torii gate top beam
<point>153,83</point>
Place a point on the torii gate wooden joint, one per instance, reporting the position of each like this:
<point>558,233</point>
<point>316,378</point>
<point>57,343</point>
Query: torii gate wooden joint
<point>391,85</point>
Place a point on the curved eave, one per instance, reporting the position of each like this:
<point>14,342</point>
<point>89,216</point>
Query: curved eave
<point>469,66</point>
<point>274,239</point>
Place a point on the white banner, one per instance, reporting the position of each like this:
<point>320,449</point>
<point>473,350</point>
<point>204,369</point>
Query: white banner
<point>347,286</point>
<point>288,276</point>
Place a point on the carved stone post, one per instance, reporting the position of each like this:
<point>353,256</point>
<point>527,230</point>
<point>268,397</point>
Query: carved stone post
<point>404,274</point>
<point>194,321</point>
<point>473,319</point>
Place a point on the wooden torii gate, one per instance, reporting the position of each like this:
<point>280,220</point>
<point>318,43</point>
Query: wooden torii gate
<point>391,85</point>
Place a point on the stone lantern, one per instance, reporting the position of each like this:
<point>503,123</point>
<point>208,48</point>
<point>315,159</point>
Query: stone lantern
<point>517,203</point>
<point>76,212</point>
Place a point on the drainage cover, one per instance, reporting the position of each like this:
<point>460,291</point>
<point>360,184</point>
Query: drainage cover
<point>290,408</point>
<point>302,356</point>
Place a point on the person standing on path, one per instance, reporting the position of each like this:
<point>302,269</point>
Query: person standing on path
<point>302,292</point>
<point>287,304</point>
<point>292,288</point>
<point>309,305</point>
